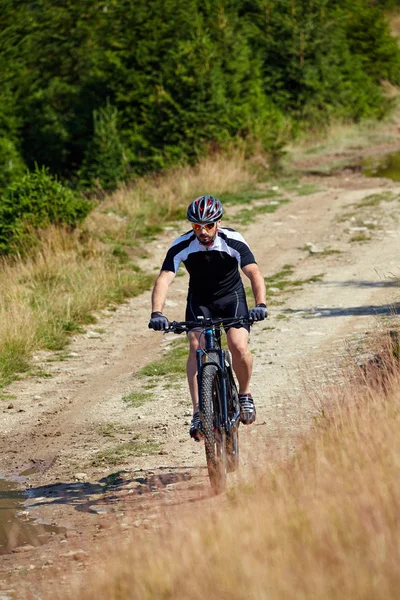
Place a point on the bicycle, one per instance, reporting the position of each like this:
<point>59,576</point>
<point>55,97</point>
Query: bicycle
<point>219,406</point>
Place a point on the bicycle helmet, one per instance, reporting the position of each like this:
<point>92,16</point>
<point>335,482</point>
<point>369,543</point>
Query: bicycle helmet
<point>205,209</point>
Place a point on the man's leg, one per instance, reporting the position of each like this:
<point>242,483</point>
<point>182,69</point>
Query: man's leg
<point>242,359</point>
<point>191,369</point>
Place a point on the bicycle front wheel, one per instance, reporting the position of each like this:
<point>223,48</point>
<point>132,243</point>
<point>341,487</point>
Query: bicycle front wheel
<point>214,433</point>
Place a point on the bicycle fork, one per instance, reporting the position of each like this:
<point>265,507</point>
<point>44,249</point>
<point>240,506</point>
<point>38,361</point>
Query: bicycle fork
<point>225,422</point>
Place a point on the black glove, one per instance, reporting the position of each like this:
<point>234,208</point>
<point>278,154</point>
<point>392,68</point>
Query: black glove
<point>158,322</point>
<point>259,313</point>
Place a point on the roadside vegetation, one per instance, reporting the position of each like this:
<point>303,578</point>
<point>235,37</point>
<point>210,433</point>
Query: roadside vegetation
<point>322,523</point>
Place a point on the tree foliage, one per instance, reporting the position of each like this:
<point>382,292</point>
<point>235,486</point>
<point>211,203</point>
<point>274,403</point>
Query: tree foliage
<point>107,90</point>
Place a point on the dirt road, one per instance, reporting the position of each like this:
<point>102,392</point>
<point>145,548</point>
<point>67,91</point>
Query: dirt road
<point>70,425</point>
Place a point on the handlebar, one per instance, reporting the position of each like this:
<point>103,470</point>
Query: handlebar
<point>185,326</point>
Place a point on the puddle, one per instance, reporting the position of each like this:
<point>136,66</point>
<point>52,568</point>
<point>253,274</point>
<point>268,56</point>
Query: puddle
<point>387,166</point>
<point>17,528</point>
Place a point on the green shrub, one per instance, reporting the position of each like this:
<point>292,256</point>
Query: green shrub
<point>11,164</point>
<point>34,202</point>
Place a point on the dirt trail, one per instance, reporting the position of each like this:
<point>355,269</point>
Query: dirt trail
<point>58,425</point>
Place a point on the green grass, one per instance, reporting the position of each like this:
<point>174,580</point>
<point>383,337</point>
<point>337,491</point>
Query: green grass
<point>374,200</point>
<point>174,362</point>
<point>39,373</point>
<point>136,399</point>
<point>248,215</point>
<point>4,396</point>
<point>246,196</point>
<point>307,189</point>
<point>126,451</point>
<point>14,361</point>
<point>112,429</point>
<point>282,282</point>
<point>360,237</point>
<point>371,201</point>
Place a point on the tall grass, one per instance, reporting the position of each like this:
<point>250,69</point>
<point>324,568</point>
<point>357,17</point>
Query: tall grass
<point>323,524</point>
<point>140,210</point>
<point>53,293</point>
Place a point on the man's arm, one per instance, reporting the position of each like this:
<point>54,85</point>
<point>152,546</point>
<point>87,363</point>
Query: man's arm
<point>253,272</point>
<point>160,290</point>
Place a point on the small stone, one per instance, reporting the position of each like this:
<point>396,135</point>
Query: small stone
<point>26,548</point>
<point>313,249</point>
<point>75,554</point>
<point>70,533</point>
<point>11,405</point>
<point>37,397</point>
<point>100,510</point>
<point>79,476</point>
<point>93,335</point>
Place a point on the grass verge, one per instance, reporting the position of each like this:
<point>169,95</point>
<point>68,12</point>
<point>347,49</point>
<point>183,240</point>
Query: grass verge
<point>125,451</point>
<point>173,363</point>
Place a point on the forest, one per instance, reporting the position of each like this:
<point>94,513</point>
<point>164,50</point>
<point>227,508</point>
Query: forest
<point>97,93</point>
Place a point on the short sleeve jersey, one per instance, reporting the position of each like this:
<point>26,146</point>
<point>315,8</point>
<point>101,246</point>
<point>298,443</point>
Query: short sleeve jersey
<point>213,270</point>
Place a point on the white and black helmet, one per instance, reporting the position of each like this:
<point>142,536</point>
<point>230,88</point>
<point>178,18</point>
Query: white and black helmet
<point>205,209</point>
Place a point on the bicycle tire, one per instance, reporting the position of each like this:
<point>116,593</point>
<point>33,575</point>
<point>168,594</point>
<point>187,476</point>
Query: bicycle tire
<point>232,437</point>
<point>214,436</point>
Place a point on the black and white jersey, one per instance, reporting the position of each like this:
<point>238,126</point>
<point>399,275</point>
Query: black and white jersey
<point>214,269</point>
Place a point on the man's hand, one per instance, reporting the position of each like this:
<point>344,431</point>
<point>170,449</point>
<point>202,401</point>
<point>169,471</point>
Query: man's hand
<point>158,321</point>
<point>258,313</point>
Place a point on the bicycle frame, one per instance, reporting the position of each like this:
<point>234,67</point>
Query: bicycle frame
<point>212,343</point>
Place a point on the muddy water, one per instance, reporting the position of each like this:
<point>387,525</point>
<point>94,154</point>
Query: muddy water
<point>383,166</point>
<point>17,528</point>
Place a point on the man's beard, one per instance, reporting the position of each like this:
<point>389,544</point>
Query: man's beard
<point>209,241</point>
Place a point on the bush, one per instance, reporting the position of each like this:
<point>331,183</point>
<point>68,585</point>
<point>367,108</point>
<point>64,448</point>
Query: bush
<point>34,202</point>
<point>11,164</point>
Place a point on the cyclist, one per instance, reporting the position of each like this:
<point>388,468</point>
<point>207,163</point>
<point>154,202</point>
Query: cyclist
<point>212,255</point>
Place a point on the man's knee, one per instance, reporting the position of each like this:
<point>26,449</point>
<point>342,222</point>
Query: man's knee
<point>241,351</point>
<point>194,343</point>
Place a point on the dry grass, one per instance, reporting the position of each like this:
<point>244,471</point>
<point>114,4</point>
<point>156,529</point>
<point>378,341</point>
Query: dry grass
<point>341,137</point>
<point>145,206</point>
<point>324,524</point>
<point>51,294</point>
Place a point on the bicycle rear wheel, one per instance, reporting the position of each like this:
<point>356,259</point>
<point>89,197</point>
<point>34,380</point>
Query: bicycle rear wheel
<point>214,433</point>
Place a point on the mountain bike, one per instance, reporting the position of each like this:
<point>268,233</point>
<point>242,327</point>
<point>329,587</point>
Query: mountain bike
<point>219,406</point>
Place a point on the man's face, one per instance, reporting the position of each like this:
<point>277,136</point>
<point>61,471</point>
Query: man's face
<point>205,232</point>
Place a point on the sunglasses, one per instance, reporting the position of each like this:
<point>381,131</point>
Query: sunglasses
<point>206,226</point>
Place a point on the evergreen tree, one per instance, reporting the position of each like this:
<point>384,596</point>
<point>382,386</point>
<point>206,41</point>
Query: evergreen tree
<point>104,164</point>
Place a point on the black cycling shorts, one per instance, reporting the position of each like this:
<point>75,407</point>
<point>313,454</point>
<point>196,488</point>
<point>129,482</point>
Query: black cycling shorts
<point>231,305</point>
